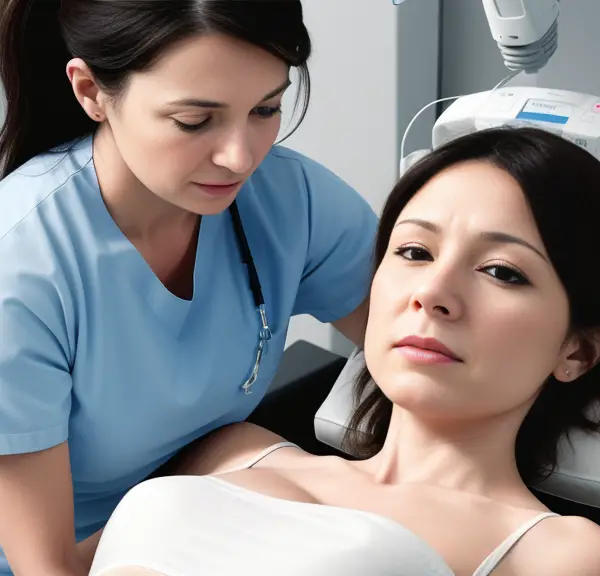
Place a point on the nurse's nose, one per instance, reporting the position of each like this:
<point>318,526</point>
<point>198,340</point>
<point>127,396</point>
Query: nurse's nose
<point>234,152</point>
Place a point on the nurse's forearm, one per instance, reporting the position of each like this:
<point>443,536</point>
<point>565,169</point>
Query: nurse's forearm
<point>37,518</point>
<point>354,325</point>
<point>87,549</point>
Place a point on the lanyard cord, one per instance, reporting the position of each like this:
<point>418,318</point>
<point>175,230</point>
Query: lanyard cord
<point>246,255</point>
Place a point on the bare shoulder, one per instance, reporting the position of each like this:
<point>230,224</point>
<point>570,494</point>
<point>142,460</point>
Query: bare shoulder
<point>572,546</point>
<point>227,448</point>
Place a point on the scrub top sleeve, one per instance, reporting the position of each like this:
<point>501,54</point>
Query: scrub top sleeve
<point>342,228</point>
<point>35,380</point>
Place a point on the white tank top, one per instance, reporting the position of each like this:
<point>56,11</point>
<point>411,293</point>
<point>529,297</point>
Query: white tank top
<point>203,525</point>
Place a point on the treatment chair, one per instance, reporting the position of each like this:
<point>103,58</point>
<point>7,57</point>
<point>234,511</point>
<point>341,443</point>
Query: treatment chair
<point>310,402</point>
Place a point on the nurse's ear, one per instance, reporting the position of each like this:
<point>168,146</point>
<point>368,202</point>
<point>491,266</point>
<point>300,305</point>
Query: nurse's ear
<point>86,90</point>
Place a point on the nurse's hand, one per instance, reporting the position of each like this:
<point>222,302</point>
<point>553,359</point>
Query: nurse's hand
<point>37,526</point>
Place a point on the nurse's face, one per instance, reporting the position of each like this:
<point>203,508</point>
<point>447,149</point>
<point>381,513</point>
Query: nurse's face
<point>193,128</point>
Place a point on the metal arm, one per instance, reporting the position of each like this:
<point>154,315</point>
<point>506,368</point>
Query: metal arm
<point>526,31</point>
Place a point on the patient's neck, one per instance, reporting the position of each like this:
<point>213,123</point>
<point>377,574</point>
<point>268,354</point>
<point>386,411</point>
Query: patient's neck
<point>474,456</point>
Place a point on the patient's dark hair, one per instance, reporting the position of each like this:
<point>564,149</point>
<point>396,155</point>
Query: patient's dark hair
<point>561,183</point>
<point>116,38</point>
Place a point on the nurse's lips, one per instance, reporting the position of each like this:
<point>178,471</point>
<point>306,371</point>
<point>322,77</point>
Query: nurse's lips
<point>219,189</point>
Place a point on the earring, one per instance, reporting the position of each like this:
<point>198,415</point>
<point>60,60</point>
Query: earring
<point>567,372</point>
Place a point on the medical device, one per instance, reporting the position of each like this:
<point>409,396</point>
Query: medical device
<point>527,34</point>
<point>574,116</point>
<point>526,31</point>
<point>264,333</point>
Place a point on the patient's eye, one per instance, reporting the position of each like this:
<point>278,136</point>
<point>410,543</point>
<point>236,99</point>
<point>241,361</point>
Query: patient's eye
<point>414,253</point>
<point>505,274</point>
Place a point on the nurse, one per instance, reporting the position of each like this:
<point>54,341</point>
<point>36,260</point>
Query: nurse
<point>154,244</point>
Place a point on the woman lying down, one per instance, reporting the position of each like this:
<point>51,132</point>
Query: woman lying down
<point>482,340</point>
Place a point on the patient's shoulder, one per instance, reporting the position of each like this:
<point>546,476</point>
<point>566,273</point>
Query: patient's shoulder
<point>572,547</point>
<point>228,448</point>
<point>236,445</point>
<point>584,537</point>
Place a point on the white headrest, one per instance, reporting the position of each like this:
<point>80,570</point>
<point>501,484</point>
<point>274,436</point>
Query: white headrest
<point>577,477</point>
<point>409,161</point>
<point>333,416</point>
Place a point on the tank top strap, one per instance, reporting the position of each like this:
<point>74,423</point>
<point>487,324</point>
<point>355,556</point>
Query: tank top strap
<point>264,453</point>
<point>492,561</point>
<point>258,457</point>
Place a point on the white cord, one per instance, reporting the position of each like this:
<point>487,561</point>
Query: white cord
<point>500,84</point>
<point>417,115</point>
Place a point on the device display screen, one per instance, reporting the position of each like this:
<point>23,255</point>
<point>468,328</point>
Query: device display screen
<point>545,111</point>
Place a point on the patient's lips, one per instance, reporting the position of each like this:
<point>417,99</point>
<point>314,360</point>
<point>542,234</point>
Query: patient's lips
<point>426,350</point>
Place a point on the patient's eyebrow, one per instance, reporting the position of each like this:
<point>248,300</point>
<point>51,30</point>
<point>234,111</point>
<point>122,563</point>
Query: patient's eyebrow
<point>488,235</point>
<point>422,223</point>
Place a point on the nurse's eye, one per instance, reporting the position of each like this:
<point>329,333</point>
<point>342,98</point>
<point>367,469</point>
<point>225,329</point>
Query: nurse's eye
<point>414,253</point>
<point>267,111</point>
<point>191,127</point>
<point>506,274</point>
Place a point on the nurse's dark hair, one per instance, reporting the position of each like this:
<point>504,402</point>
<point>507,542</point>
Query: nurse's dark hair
<point>116,38</point>
<point>561,183</point>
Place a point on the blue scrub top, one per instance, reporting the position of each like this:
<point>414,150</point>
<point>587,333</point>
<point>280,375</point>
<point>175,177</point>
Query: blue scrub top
<point>95,350</point>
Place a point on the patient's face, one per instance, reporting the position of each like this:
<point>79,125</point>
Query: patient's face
<point>466,265</point>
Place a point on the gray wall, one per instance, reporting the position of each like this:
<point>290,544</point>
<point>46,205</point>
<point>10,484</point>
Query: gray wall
<point>472,62</point>
<point>470,59</point>
<point>374,65</point>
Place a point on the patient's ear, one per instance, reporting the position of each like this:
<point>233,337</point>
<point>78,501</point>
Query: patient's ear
<point>580,354</point>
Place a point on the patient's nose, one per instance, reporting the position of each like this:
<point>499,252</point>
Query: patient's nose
<point>439,297</point>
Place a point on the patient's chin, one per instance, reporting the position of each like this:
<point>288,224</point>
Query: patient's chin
<point>415,391</point>
<point>430,396</point>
